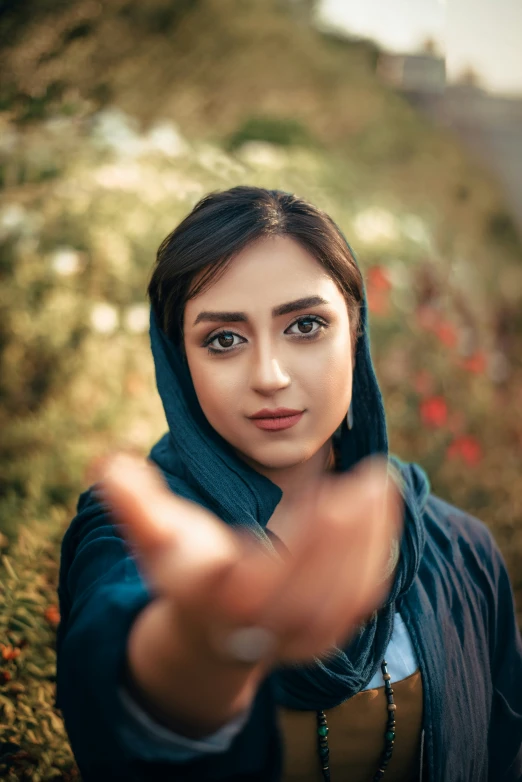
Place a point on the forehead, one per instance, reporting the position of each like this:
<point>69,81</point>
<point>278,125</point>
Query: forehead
<point>268,272</point>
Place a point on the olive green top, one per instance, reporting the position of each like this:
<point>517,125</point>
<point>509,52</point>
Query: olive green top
<point>356,737</point>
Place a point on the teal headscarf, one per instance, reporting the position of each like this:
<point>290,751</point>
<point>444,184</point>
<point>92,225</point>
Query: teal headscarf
<point>199,464</point>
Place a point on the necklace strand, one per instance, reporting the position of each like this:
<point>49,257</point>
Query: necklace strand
<point>322,725</point>
<point>389,736</point>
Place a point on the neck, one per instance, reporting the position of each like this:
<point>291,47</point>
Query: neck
<point>291,479</point>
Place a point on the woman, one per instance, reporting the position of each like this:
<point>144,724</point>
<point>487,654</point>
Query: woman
<point>334,626</point>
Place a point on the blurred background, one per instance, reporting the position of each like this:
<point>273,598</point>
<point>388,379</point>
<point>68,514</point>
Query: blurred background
<point>403,121</point>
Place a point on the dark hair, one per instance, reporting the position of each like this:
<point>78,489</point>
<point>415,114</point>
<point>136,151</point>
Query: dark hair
<point>221,225</point>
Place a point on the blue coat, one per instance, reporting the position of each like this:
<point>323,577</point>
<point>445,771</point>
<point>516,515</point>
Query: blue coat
<point>459,613</point>
<point>456,601</point>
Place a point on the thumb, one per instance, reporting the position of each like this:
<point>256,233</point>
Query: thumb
<point>138,497</point>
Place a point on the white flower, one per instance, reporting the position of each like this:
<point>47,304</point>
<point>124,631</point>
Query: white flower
<point>398,274</point>
<point>414,228</point>
<point>12,219</point>
<point>261,154</point>
<point>104,318</point>
<point>376,226</point>
<point>218,162</point>
<point>119,176</point>
<point>136,318</point>
<point>66,261</point>
<point>166,138</point>
<point>117,131</point>
<point>182,187</point>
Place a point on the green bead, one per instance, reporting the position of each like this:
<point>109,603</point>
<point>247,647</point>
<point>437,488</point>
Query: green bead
<point>389,736</point>
<point>322,730</point>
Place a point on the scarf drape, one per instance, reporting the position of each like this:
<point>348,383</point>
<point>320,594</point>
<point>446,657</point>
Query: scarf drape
<point>198,463</point>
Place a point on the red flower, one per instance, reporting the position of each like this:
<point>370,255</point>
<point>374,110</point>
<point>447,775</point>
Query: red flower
<point>377,290</point>
<point>476,363</point>
<point>467,448</point>
<point>52,615</point>
<point>378,278</point>
<point>5,676</point>
<point>434,411</point>
<point>9,652</point>
<point>378,301</point>
<point>446,333</point>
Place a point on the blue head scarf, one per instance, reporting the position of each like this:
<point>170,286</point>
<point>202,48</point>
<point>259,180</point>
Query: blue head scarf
<point>198,463</point>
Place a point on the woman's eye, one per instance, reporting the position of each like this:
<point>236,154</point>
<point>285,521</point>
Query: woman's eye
<point>226,342</point>
<point>225,339</point>
<point>307,323</point>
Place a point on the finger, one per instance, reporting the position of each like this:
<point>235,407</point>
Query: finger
<point>176,542</point>
<point>138,497</point>
<point>353,602</point>
<point>338,599</point>
<point>256,579</point>
<point>341,547</point>
<point>384,537</point>
<point>250,584</point>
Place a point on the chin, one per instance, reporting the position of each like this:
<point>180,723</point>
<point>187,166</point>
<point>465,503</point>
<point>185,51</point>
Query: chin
<point>276,456</point>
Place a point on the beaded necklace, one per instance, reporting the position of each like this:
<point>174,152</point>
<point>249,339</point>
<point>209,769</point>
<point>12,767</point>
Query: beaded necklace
<point>389,736</point>
<point>322,725</point>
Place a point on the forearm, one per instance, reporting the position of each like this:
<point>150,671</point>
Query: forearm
<point>175,676</point>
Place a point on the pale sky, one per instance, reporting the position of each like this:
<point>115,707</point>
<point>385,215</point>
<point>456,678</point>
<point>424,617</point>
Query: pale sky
<point>486,34</point>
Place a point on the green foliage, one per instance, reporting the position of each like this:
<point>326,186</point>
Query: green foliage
<point>284,132</point>
<point>34,742</point>
<point>501,227</point>
<point>86,198</point>
<point>77,377</point>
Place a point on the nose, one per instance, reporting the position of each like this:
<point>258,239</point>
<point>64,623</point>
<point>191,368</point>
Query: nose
<point>268,374</point>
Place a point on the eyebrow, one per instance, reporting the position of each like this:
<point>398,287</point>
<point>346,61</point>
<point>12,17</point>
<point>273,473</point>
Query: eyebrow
<point>281,309</point>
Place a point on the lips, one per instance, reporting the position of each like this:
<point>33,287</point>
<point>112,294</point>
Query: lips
<point>276,423</point>
<point>278,412</point>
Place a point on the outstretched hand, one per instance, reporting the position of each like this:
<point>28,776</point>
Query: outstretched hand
<point>341,531</point>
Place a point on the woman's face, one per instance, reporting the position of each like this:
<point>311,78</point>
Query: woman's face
<point>261,358</point>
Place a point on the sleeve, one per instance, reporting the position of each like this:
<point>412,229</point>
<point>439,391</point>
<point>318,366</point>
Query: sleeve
<point>183,748</point>
<point>101,592</point>
<point>505,731</point>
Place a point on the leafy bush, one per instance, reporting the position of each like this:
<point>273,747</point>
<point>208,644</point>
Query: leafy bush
<point>77,377</point>
<point>284,132</point>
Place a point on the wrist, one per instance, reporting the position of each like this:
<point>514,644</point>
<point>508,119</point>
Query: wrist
<point>174,672</point>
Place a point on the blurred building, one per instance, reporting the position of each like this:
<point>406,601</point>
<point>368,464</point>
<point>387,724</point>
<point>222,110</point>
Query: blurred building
<point>417,73</point>
<point>490,125</point>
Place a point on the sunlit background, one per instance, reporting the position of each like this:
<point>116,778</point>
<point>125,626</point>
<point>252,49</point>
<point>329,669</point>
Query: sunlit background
<point>478,35</point>
<point>403,121</point>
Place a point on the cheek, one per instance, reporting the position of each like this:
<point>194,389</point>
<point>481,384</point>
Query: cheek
<point>332,387</point>
<point>333,368</point>
<point>217,388</point>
